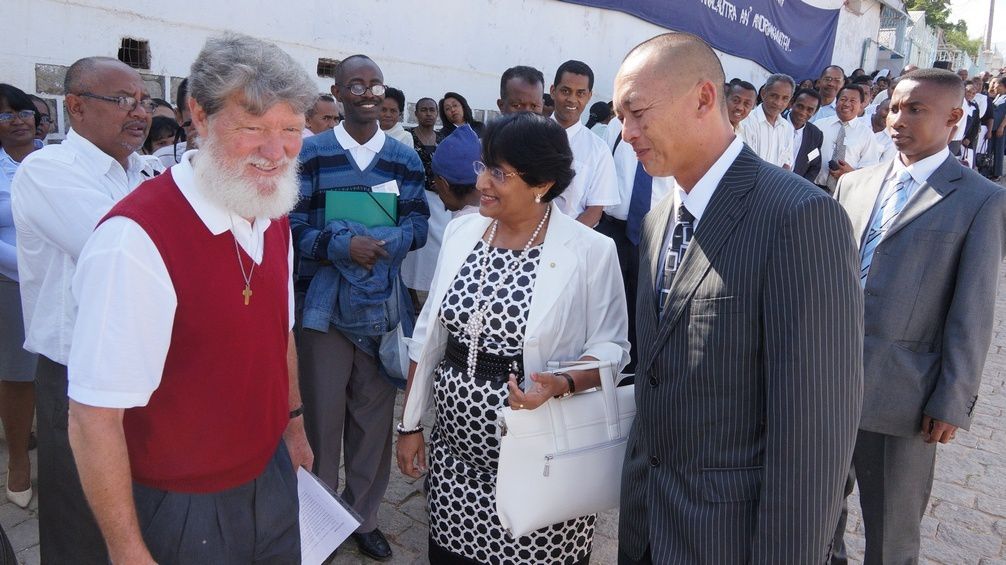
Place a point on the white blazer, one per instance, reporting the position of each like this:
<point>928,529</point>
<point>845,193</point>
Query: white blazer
<point>577,308</point>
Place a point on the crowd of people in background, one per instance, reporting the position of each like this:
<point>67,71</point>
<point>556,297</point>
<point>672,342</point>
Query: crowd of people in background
<point>107,333</point>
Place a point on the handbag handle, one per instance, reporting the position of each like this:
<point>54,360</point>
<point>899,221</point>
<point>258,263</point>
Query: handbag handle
<point>607,391</point>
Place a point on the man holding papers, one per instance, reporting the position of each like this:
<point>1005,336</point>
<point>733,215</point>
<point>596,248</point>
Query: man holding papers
<point>362,209</point>
<point>182,372</point>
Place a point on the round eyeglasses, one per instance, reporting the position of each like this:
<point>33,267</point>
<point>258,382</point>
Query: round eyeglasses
<point>498,175</point>
<point>358,89</point>
<point>126,103</point>
<point>25,115</point>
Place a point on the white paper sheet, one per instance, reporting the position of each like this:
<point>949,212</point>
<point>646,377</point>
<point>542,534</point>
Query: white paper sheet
<point>325,520</point>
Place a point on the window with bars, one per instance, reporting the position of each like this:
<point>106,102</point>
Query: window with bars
<point>135,53</point>
<point>326,67</point>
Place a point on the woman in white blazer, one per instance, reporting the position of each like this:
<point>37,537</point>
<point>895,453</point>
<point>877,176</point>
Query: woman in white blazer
<point>519,284</point>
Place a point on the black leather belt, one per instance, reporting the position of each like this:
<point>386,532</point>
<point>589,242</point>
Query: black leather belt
<point>488,367</point>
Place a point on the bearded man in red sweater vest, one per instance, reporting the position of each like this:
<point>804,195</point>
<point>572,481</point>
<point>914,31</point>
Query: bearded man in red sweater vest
<point>185,415</point>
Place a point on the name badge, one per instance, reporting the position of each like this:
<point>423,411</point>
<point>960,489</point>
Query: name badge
<point>814,154</point>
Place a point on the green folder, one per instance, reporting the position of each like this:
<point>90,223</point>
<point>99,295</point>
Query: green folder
<point>372,209</point>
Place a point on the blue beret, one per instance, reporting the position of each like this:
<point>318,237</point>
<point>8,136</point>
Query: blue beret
<point>454,156</point>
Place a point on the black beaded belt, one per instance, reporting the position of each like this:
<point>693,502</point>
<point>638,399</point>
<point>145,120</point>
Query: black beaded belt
<point>488,367</point>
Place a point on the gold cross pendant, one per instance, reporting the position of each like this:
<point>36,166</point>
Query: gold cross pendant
<point>247,292</point>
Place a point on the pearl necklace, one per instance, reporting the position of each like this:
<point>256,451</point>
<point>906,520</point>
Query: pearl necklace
<point>476,322</point>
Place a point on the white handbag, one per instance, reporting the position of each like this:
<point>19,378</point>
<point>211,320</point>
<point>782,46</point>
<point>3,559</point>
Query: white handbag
<point>563,460</point>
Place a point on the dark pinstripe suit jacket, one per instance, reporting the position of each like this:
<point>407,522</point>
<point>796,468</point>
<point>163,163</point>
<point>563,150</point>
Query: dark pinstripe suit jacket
<point>749,387</point>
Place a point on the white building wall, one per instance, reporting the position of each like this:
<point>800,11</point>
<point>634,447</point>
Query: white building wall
<point>855,27</point>
<point>423,48</point>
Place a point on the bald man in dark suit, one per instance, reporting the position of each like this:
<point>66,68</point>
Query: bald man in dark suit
<point>749,320</point>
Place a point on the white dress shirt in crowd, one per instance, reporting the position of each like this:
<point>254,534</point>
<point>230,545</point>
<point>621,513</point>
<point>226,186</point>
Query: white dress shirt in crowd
<point>771,142</point>
<point>886,145</point>
<point>825,111</point>
<point>398,132</point>
<point>797,141</point>
<point>59,194</point>
<point>625,172</point>
<point>127,301</point>
<point>595,183</point>
<point>982,100</point>
<point>170,155</point>
<point>419,265</point>
<point>362,154</point>
<point>8,237</point>
<point>696,200</point>
<point>860,145</point>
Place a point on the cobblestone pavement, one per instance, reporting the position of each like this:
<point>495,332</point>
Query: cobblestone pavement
<point>965,523</point>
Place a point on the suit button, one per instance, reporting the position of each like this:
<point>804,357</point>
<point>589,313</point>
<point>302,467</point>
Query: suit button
<point>654,461</point>
<point>653,382</point>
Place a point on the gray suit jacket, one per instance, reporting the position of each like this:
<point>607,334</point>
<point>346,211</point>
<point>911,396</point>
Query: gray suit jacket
<point>930,295</point>
<point>749,387</point>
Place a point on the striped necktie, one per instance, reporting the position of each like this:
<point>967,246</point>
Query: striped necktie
<point>838,154</point>
<point>894,200</point>
<point>680,238</point>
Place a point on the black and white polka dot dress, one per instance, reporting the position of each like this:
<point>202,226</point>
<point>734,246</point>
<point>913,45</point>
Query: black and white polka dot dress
<point>464,444</point>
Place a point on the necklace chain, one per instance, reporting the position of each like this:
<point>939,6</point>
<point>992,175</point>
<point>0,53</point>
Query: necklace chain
<point>246,292</point>
<point>476,321</point>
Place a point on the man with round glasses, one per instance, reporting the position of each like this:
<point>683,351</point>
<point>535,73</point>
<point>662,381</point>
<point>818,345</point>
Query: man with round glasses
<point>57,197</point>
<point>351,275</point>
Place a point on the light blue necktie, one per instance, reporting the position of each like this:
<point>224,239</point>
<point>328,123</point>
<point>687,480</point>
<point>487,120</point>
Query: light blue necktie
<point>893,203</point>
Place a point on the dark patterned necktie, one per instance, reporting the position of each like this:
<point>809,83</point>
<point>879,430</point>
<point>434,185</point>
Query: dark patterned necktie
<point>675,252</point>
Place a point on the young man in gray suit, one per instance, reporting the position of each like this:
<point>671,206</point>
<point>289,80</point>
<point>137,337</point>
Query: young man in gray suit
<point>749,318</point>
<point>931,233</point>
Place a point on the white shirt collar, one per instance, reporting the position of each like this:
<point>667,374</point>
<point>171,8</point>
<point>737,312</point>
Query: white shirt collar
<point>347,142</point>
<point>759,113</point>
<point>698,198</point>
<point>215,217</point>
<point>572,130</point>
<point>923,169</point>
<point>100,161</point>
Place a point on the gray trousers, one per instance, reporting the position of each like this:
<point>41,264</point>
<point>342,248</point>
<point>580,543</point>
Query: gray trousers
<point>348,406</point>
<point>256,522</point>
<point>67,530</point>
<point>895,477</point>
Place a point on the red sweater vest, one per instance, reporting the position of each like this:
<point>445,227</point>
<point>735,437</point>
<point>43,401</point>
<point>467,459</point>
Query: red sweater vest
<point>221,408</point>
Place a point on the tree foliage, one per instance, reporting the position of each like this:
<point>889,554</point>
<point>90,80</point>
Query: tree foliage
<point>938,16</point>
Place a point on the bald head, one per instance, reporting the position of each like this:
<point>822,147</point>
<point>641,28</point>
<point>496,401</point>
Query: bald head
<point>682,57</point>
<point>669,96</point>
<point>85,73</point>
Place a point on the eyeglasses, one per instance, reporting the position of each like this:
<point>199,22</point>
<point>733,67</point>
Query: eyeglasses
<point>126,103</point>
<point>498,175</point>
<point>44,118</point>
<point>831,79</point>
<point>25,115</point>
<point>358,89</point>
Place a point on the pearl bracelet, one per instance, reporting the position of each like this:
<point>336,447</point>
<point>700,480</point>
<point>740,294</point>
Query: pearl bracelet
<point>404,432</point>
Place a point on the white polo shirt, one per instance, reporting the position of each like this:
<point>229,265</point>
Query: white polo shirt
<point>595,183</point>
<point>58,195</point>
<point>773,143</point>
<point>127,301</point>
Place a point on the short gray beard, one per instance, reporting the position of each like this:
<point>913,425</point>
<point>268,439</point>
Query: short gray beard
<point>224,182</point>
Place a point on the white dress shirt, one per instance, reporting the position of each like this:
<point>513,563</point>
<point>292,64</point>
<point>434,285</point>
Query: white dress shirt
<point>861,148</point>
<point>398,132</point>
<point>625,172</point>
<point>920,170</point>
<point>773,143</point>
<point>595,183</point>
<point>982,100</point>
<point>886,145</point>
<point>696,200</point>
<point>823,112</point>
<point>362,154</point>
<point>58,195</point>
<point>127,301</point>
<point>797,142</point>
